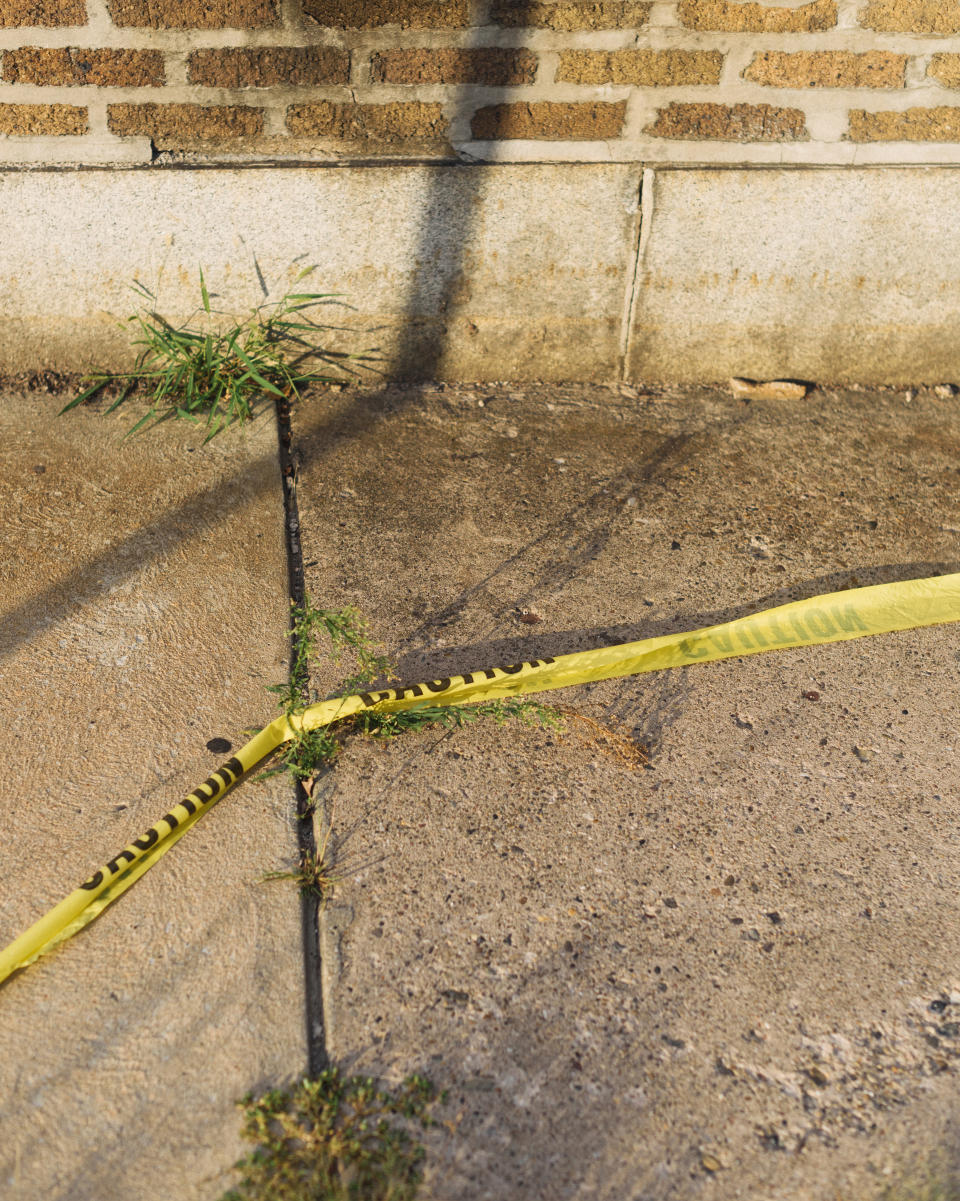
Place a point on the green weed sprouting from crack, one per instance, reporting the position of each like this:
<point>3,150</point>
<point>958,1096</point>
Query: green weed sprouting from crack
<point>308,752</point>
<point>315,874</point>
<point>347,631</point>
<point>332,1139</point>
<point>222,376</point>
<point>391,725</point>
<point>934,1177</point>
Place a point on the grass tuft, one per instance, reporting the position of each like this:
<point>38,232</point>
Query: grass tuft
<point>331,1139</point>
<point>219,378</point>
<point>312,630</point>
<point>391,725</point>
<point>315,874</point>
<point>308,752</point>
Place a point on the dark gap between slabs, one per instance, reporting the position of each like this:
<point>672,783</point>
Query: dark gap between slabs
<point>317,1059</point>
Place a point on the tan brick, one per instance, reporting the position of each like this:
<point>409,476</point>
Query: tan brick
<point>408,14</point>
<point>828,69</point>
<point>915,125</point>
<point>173,126</point>
<point>493,67</point>
<point>757,18</point>
<point>381,124</point>
<point>548,121</point>
<point>194,14</point>
<point>568,16</point>
<point>730,123</point>
<point>911,16</point>
<point>647,68</point>
<point>42,12</point>
<point>945,68</point>
<point>34,120</point>
<point>269,66</point>
<point>71,66</point>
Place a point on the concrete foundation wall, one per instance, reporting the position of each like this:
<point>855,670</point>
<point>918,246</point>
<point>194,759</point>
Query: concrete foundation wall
<point>521,271</point>
<point>451,271</point>
<point>831,275</point>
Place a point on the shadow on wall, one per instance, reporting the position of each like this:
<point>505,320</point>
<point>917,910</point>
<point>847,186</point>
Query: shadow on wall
<point>440,256</point>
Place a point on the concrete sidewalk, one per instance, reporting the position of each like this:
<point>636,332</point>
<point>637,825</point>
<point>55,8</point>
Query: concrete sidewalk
<point>144,612</point>
<point>735,973</point>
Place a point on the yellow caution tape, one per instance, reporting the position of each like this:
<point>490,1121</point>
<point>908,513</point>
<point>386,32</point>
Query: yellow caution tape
<point>834,617</point>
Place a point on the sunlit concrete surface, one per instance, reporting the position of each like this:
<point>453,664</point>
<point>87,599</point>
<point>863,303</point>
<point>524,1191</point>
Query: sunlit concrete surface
<point>734,972</point>
<point>143,613</point>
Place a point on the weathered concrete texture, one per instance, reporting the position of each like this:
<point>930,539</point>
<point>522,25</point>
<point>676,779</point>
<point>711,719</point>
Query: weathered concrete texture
<point>457,271</point>
<point>819,274</point>
<point>513,271</point>
<point>143,614</point>
<point>734,974</point>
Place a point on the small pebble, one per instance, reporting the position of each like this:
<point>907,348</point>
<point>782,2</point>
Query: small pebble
<point>778,389</point>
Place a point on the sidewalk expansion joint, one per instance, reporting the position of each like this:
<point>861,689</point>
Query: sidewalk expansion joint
<point>317,1058</point>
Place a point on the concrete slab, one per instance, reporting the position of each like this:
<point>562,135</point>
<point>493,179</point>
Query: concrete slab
<point>144,610</point>
<point>448,269</point>
<point>735,973</point>
<point>829,275</point>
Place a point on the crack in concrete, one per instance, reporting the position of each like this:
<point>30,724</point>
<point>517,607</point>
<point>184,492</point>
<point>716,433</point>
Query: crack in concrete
<point>317,1058</point>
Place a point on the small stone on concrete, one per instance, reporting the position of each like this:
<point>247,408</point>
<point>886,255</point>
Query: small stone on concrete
<point>777,389</point>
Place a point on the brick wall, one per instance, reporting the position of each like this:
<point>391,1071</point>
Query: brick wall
<point>820,81</point>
